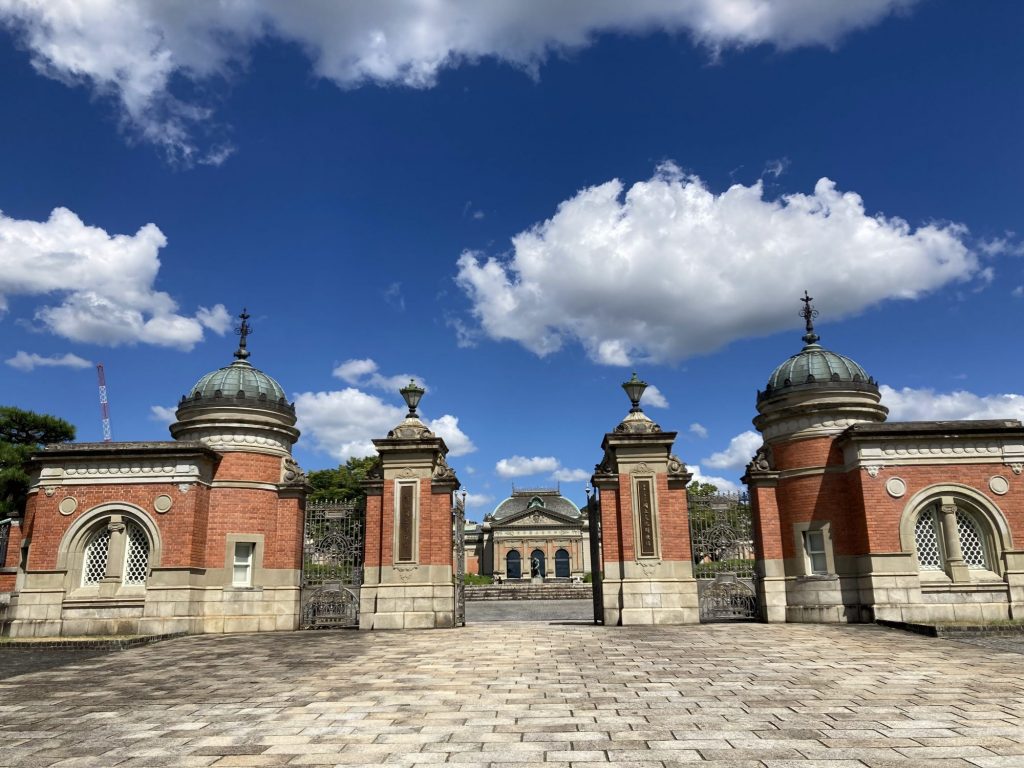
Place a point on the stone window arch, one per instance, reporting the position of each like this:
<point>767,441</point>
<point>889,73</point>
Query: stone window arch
<point>110,551</point>
<point>513,565</point>
<point>956,534</point>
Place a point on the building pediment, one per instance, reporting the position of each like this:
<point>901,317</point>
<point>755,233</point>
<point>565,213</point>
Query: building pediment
<point>531,518</point>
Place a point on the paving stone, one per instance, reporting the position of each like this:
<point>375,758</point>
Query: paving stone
<point>742,696</point>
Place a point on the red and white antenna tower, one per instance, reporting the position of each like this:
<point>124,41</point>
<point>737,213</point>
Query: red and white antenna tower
<point>104,405</point>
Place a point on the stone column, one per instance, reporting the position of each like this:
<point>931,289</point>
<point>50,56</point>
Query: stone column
<point>408,568</point>
<point>645,533</point>
<point>955,565</point>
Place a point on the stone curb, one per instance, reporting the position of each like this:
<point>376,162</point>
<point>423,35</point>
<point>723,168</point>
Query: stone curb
<point>953,631</point>
<point>106,644</point>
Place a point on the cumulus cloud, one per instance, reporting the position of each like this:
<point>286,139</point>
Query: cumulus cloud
<point>698,429</point>
<point>477,500</point>
<point>650,273</point>
<point>447,428</point>
<point>365,373</point>
<point>721,483</point>
<point>162,413</point>
<point>566,475</point>
<point>103,283</point>
<point>344,423</point>
<point>28,361</point>
<point>908,404</point>
<point>653,397</point>
<point>738,454</point>
<point>144,54</point>
<point>520,466</point>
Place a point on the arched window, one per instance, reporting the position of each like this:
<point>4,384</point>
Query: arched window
<point>956,537</point>
<point>537,566</point>
<point>110,550</point>
<point>562,564</point>
<point>513,565</point>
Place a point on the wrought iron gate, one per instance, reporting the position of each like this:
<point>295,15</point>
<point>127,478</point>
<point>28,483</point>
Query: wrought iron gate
<point>459,559</point>
<point>596,564</point>
<point>721,535</point>
<point>332,564</point>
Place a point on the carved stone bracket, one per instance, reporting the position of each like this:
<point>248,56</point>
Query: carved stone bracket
<point>406,572</point>
<point>442,471</point>
<point>291,472</point>
<point>677,469</point>
<point>873,470</point>
<point>1016,467</point>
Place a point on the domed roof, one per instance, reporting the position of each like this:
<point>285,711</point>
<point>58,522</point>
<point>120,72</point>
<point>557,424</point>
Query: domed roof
<point>238,384</point>
<point>816,367</point>
<point>548,499</point>
<point>240,376</point>
<point>814,364</point>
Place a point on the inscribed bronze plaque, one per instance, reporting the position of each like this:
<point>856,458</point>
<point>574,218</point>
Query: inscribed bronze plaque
<point>405,523</point>
<point>643,497</point>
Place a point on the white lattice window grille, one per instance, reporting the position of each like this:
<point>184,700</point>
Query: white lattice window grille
<point>926,541</point>
<point>814,547</point>
<point>94,565</point>
<point>136,558</point>
<point>972,544</point>
<point>242,564</point>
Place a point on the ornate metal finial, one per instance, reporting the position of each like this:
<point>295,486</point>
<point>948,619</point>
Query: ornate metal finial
<point>634,391</point>
<point>411,393</point>
<point>243,331</point>
<point>808,313</point>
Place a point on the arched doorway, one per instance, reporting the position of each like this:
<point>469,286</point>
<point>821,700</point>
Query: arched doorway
<point>513,565</point>
<point>562,564</point>
<point>537,563</point>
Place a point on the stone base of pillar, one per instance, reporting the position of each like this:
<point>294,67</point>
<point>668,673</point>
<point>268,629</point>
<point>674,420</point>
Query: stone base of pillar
<point>771,590</point>
<point>650,593</point>
<point>408,597</point>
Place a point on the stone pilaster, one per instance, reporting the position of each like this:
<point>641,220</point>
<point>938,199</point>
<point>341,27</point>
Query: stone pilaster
<point>645,537</point>
<point>408,568</point>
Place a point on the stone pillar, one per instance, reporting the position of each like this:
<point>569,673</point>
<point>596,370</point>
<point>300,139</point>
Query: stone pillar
<point>645,530</point>
<point>408,569</point>
<point>955,565</point>
<point>762,481</point>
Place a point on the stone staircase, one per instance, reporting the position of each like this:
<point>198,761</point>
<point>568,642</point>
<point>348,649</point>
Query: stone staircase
<point>527,591</point>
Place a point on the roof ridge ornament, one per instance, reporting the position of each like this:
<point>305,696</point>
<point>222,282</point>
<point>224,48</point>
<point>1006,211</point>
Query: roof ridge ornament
<point>808,313</point>
<point>243,331</point>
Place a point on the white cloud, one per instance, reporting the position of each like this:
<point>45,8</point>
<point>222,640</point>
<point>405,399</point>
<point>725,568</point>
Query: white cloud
<point>447,428</point>
<point>910,404</point>
<point>365,373</point>
<point>104,283</point>
<point>651,274</point>
<point>567,475</point>
<point>698,429</point>
<point>737,455</point>
<point>134,51</point>
<point>477,500</point>
<point>722,483</point>
<point>162,413</point>
<point>520,466</point>
<point>344,423</point>
<point>26,361</point>
<point>653,398</point>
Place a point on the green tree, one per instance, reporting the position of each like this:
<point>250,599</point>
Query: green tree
<point>22,433</point>
<point>343,483</point>
<point>697,488</point>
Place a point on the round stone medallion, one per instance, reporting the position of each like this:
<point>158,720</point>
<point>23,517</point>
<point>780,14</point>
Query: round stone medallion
<point>998,484</point>
<point>895,487</point>
<point>68,505</point>
<point>162,503</point>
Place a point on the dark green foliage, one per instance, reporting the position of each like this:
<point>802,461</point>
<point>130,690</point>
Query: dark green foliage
<point>697,488</point>
<point>343,483</point>
<point>21,433</point>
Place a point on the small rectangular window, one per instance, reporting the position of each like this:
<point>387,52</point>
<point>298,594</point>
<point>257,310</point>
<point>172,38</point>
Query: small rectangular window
<point>814,546</point>
<point>242,566</point>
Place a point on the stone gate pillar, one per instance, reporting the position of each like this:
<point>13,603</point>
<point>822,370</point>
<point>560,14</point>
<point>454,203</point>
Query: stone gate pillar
<point>407,574</point>
<point>762,481</point>
<point>645,535</point>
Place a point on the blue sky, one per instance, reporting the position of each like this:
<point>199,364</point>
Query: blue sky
<point>517,204</point>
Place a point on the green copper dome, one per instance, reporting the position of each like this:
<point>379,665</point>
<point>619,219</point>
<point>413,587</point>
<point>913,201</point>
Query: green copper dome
<point>815,364</point>
<point>240,376</point>
<point>816,367</point>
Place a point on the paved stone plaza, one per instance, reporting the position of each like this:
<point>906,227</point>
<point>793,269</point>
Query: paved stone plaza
<point>771,696</point>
